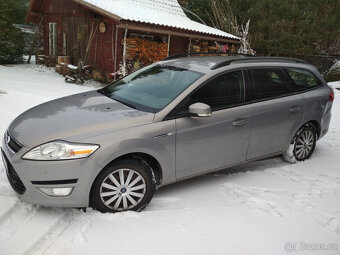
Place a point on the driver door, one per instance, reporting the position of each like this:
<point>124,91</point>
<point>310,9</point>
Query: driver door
<point>211,143</point>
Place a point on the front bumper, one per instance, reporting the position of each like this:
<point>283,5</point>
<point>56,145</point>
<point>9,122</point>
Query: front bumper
<point>50,174</point>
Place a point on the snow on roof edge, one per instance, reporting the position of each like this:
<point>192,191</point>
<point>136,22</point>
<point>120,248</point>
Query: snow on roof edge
<point>93,4</point>
<point>228,36</point>
<point>99,9</point>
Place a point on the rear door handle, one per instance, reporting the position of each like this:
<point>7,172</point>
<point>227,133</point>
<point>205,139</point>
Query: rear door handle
<point>239,122</point>
<point>295,108</point>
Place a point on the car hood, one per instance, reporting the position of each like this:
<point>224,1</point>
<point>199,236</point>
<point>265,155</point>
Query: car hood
<point>74,118</point>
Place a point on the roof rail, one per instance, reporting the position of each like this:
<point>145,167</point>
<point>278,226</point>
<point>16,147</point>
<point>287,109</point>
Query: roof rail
<point>257,59</point>
<point>226,54</point>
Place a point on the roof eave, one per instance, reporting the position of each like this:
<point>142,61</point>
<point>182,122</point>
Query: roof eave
<point>98,9</point>
<point>137,25</point>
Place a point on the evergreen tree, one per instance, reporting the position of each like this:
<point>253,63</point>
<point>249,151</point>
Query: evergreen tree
<point>202,8</point>
<point>282,26</point>
<point>11,39</point>
<point>292,26</point>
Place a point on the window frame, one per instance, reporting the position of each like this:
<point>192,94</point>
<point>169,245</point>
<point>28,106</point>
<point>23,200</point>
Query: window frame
<point>282,76</point>
<point>178,112</point>
<point>52,38</point>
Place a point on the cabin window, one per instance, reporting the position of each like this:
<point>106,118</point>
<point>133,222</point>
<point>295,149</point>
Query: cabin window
<point>52,39</point>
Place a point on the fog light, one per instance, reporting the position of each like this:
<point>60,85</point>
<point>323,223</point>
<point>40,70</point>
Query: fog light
<point>57,192</point>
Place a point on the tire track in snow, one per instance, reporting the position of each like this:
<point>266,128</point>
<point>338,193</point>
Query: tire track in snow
<point>42,245</point>
<point>16,217</point>
<point>16,228</point>
<point>67,234</point>
<point>7,208</point>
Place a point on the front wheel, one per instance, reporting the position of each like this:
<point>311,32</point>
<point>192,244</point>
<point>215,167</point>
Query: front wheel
<point>126,185</point>
<point>302,146</point>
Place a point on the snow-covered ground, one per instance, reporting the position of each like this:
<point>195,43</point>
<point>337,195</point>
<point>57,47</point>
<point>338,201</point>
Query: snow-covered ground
<point>265,207</point>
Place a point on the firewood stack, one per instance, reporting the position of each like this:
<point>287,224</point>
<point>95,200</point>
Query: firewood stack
<point>145,51</point>
<point>61,66</point>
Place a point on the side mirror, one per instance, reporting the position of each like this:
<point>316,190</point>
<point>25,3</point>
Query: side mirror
<point>200,110</point>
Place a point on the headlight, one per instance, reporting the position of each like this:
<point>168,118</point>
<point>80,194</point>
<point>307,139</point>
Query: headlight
<point>60,150</point>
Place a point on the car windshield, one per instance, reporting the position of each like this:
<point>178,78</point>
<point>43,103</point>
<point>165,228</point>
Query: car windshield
<point>151,88</point>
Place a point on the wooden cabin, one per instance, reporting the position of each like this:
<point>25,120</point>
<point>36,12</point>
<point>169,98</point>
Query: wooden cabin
<point>118,36</point>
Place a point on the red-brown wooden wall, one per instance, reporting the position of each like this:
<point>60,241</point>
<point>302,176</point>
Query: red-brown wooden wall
<point>103,47</point>
<point>103,44</point>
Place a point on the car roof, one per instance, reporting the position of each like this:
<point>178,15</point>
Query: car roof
<point>201,64</point>
<point>205,64</point>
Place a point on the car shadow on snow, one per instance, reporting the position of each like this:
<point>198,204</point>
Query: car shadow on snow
<point>225,175</point>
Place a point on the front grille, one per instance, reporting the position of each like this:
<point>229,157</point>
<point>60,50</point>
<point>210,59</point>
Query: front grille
<point>12,143</point>
<point>13,177</point>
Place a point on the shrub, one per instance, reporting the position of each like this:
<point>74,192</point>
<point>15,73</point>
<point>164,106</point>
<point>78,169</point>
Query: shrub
<point>11,39</point>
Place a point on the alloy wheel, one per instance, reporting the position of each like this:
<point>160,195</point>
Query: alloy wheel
<point>304,144</point>
<point>122,189</point>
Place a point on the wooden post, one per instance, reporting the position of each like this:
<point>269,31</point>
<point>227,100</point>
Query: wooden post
<point>124,53</point>
<point>92,34</point>
<point>112,47</point>
<point>169,38</point>
<point>95,50</point>
<point>116,45</point>
<point>189,50</point>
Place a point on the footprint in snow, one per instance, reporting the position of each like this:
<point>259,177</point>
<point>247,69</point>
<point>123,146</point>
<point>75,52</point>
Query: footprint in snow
<point>258,198</point>
<point>331,221</point>
<point>285,173</point>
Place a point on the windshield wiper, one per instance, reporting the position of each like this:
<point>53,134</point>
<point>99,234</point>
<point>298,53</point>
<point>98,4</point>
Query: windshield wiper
<point>125,103</point>
<point>101,91</point>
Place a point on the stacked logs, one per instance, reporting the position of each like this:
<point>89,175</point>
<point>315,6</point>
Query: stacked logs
<point>61,66</point>
<point>145,51</point>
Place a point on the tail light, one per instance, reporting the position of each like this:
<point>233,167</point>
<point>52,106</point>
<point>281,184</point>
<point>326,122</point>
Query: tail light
<point>331,96</point>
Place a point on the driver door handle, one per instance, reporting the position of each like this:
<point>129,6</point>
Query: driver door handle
<point>295,108</point>
<point>239,122</point>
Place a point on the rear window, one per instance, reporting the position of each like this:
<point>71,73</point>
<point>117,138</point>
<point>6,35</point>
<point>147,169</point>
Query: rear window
<point>303,79</point>
<point>269,83</point>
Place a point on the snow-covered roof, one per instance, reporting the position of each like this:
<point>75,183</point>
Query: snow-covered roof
<point>159,12</point>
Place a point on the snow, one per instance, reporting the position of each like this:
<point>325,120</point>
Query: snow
<point>72,67</point>
<point>335,66</point>
<point>160,12</point>
<point>264,207</point>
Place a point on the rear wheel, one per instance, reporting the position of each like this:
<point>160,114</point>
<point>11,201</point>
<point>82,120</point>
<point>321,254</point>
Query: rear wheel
<point>126,185</point>
<point>302,146</point>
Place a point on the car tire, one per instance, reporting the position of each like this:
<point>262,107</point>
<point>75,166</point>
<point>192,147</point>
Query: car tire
<point>125,185</point>
<point>302,145</point>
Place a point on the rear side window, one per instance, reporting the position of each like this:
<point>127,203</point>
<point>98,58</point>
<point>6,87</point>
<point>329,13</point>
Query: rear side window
<point>303,79</point>
<point>221,92</point>
<point>269,83</point>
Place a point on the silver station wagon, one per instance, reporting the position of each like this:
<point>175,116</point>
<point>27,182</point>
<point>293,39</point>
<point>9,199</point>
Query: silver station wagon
<point>182,117</point>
